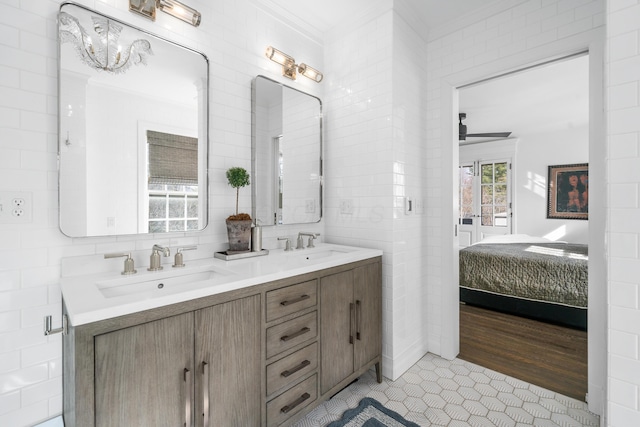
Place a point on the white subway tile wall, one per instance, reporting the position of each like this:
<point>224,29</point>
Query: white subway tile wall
<point>623,79</point>
<point>234,36</point>
<point>382,144</point>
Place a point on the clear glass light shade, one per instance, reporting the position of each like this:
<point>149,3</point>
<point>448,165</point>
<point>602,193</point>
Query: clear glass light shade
<point>287,62</point>
<point>310,72</point>
<point>180,11</point>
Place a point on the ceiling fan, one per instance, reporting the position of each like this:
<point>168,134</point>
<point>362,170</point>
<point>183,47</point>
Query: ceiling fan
<point>463,135</point>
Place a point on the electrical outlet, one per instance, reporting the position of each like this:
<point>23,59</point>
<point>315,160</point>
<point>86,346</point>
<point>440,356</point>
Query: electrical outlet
<point>15,207</point>
<point>346,206</point>
<point>310,206</point>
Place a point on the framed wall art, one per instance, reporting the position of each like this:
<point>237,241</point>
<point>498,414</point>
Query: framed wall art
<point>568,191</point>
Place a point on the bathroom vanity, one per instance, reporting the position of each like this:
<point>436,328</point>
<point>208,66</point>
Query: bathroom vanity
<point>255,342</point>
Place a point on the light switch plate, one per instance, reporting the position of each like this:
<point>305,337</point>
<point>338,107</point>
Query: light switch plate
<point>408,205</point>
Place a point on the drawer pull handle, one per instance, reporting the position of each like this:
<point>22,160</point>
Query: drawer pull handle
<point>293,301</point>
<point>205,393</point>
<point>295,369</point>
<point>295,334</point>
<point>295,403</point>
<point>358,319</point>
<point>187,397</point>
<point>351,322</point>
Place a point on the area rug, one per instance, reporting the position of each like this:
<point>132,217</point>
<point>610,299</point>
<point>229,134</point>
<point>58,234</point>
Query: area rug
<point>371,413</point>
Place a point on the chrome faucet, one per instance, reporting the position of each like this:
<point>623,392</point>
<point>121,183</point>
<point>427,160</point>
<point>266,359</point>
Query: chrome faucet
<point>311,236</point>
<point>154,262</point>
<point>128,262</point>
<point>287,246</point>
<point>178,260</point>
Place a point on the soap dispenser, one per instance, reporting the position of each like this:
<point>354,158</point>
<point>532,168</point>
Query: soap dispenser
<point>256,237</point>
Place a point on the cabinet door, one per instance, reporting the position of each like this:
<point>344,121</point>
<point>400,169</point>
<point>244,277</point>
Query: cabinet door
<point>228,363</point>
<point>368,300</point>
<point>143,374</point>
<point>336,328</point>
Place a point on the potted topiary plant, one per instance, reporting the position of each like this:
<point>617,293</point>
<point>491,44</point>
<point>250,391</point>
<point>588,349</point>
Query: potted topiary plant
<point>238,225</point>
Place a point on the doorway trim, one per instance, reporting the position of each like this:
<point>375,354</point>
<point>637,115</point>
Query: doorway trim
<point>591,42</point>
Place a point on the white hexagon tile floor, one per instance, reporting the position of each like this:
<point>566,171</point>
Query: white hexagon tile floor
<point>439,392</point>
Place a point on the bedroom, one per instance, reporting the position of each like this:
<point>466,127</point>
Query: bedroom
<point>546,111</point>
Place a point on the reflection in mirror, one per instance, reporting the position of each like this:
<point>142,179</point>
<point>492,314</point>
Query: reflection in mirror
<point>286,154</point>
<point>132,129</point>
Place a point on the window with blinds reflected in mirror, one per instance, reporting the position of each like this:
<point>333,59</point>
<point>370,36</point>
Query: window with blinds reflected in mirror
<point>172,182</point>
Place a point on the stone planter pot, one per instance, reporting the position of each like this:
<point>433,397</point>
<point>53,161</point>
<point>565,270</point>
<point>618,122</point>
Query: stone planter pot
<point>239,233</point>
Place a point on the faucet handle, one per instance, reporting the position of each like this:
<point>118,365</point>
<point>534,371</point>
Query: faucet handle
<point>178,260</point>
<point>287,246</point>
<point>311,239</point>
<point>129,267</point>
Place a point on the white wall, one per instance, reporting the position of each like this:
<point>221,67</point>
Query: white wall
<point>531,155</point>
<point>234,36</point>
<point>375,158</point>
<point>623,212</point>
<point>504,36</point>
<point>358,175</point>
<point>535,154</point>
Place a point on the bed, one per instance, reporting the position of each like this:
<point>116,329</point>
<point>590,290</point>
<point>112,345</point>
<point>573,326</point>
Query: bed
<point>527,276</point>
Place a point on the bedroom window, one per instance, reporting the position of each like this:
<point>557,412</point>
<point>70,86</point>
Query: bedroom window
<point>485,200</point>
<point>493,188</point>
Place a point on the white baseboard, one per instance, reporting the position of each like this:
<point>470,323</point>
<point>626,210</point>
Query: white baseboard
<point>393,368</point>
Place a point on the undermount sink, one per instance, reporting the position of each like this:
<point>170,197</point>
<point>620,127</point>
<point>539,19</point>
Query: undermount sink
<point>312,256</point>
<point>162,284</point>
<point>317,255</point>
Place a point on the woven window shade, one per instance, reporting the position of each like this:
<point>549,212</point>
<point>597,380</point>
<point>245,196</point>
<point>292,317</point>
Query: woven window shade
<point>173,159</point>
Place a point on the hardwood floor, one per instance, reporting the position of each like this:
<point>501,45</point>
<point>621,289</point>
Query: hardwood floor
<point>550,356</point>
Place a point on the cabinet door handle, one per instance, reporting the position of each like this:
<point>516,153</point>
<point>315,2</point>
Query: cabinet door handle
<point>295,334</point>
<point>205,393</point>
<point>351,322</point>
<point>295,403</point>
<point>295,368</point>
<point>293,301</point>
<point>358,318</point>
<point>187,397</point>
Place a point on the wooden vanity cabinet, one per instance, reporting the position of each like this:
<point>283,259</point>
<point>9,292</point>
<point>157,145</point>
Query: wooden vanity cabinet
<point>144,374</point>
<point>264,355</point>
<point>351,328</point>
<point>228,364</point>
<point>199,368</point>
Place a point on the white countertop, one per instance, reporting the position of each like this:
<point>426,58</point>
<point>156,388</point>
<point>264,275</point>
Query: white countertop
<point>94,297</point>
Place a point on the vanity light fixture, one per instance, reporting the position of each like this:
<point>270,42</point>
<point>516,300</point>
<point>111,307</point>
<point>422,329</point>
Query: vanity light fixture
<point>289,66</point>
<point>147,8</point>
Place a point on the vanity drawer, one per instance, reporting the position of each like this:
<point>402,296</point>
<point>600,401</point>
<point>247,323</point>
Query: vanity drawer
<point>292,401</point>
<point>291,333</point>
<point>284,301</point>
<point>290,369</point>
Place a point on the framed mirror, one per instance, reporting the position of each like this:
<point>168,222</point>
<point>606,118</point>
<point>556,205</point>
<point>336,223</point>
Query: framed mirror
<point>133,129</point>
<point>286,154</point>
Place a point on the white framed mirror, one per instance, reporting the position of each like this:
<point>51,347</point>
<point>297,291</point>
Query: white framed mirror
<point>133,129</point>
<point>286,154</point>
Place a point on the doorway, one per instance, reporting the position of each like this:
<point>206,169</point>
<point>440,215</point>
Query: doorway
<point>546,110</point>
